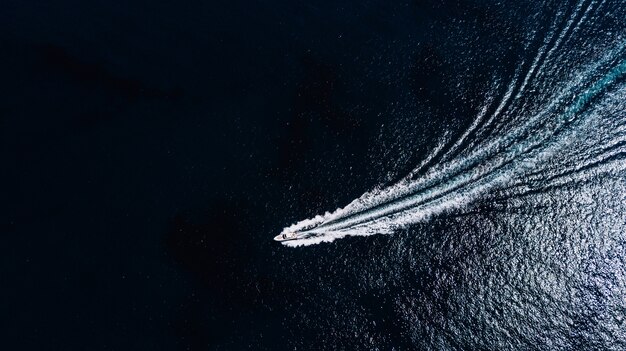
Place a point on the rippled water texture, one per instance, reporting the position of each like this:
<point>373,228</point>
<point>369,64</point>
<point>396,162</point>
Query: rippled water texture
<point>511,235</point>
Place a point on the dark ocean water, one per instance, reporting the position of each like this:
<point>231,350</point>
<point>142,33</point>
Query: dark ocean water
<point>152,150</point>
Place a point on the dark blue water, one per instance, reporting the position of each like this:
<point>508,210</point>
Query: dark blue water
<point>152,150</point>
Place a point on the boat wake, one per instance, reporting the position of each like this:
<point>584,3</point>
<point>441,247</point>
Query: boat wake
<point>559,121</point>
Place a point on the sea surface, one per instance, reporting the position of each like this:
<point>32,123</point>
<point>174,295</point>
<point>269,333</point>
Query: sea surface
<point>455,171</point>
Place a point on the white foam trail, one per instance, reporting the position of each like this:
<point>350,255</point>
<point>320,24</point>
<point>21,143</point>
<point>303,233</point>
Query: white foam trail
<point>556,45</point>
<point>509,101</point>
<point>540,63</point>
<point>606,167</point>
<point>495,165</point>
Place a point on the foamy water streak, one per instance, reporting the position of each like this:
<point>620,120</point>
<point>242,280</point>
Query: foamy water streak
<point>516,160</point>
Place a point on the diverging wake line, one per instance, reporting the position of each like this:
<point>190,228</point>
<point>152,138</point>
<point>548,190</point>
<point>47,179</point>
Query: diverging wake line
<point>521,157</point>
